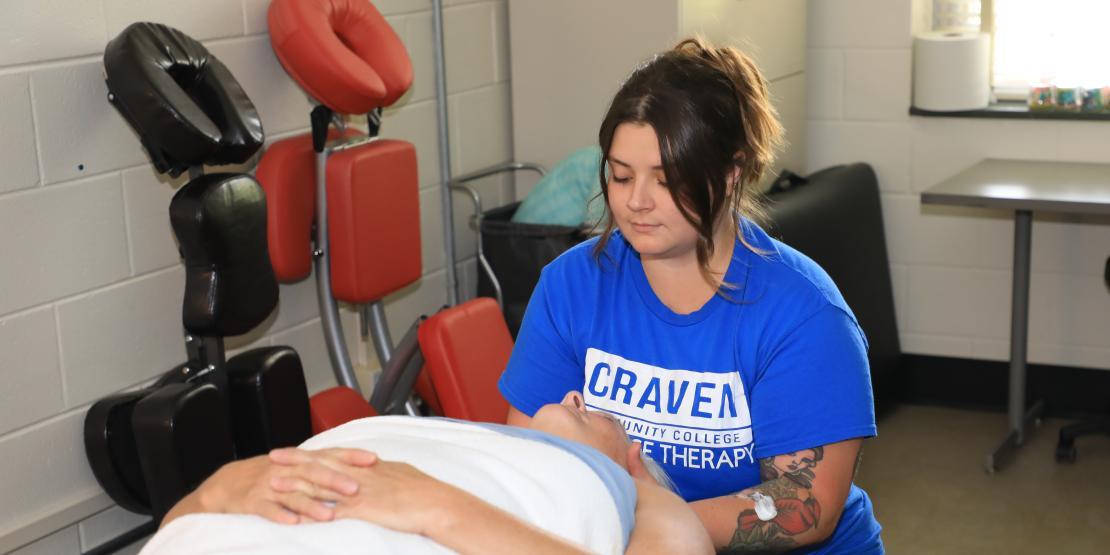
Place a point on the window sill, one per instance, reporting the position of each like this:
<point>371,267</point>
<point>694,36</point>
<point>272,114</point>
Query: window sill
<point>1013,110</point>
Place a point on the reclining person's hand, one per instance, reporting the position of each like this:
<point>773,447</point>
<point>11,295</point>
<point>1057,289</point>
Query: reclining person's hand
<point>324,475</point>
<point>243,487</point>
<point>246,487</point>
<point>400,497</point>
<point>394,495</point>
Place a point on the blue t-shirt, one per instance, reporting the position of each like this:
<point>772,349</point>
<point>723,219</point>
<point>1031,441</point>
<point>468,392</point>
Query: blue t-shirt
<point>777,367</point>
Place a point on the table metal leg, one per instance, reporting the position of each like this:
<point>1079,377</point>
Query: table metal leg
<point>1019,419</point>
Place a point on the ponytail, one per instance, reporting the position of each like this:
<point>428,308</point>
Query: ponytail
<point>762,134</point>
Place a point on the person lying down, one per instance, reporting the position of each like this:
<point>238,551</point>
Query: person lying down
<point>571,483</point>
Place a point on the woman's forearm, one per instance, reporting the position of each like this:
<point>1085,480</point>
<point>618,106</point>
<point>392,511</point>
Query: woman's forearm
<point>802,495</point>
<point>189,504</point>
<point>468,525</point>
<point>735,526</point>
<point>401,497</point>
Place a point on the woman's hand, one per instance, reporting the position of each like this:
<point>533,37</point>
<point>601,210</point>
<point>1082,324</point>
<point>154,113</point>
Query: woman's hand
<point>323,475</point>
<point>400,497</point>
<point>251,486</point>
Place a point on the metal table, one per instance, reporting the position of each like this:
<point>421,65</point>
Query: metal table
<point>1024,187</point>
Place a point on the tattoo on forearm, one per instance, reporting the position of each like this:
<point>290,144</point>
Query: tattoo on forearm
<point>788,479</point>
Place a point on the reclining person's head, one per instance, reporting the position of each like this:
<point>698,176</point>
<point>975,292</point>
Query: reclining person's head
<point>570,419</point>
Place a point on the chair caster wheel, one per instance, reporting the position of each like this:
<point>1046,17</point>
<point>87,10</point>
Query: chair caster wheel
<point>1066,454</point>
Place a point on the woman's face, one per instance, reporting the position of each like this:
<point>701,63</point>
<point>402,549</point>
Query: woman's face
<point>639,199</point>
<point>569,419</point>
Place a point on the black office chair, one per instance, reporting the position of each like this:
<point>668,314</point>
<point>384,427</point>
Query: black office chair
<point>834,217</point>
<point>1065,446</point>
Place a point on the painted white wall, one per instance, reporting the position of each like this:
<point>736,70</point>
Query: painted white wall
<point>90,287</point>
<point>951,266</point>
<point>569,58</point>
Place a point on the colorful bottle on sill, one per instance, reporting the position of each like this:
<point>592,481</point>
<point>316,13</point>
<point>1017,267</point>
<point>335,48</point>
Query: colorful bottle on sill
<point>1069,99</point>
<point>1093,101</point>
<point>1042,97</point>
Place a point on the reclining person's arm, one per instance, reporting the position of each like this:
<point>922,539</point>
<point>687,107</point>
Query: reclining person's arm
<point>246,487</point>
<point>400,497</point>
<point>405,499</point>
<point>393,495</point>
<point>665,524</point>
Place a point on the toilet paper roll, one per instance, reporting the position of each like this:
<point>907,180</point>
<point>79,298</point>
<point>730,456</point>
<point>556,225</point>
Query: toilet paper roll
<point>951,71</point>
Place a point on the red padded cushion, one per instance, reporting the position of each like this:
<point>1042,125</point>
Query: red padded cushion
<point>336,406</point>
<point>343,52</point>
<point>426,391</point>
<point>287,173</point>
<point>466,347</point>
<point>373,220</point>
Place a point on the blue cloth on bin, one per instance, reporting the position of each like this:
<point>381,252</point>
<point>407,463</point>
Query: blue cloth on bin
<point>565,196</point>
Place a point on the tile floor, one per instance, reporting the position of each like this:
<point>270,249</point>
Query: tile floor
<point>925,474</point>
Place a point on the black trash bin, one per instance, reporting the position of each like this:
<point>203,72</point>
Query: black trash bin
<point>517,252</point>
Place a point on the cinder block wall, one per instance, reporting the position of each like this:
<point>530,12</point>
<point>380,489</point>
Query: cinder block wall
<point>951,266</point>
<point>90,287</point>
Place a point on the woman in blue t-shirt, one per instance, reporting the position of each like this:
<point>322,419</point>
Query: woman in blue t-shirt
<point>729,356</point>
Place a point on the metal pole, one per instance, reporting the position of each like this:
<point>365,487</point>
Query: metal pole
<point>329,308</point>
<point>444,155</point>
<point>457,184</point>
<point>379,332</point>
<point>1019,321</point>
<point>477,200</point>
<point>1021,421</point>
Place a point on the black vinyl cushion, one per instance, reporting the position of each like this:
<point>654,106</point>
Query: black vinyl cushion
<point>112,452</point>
<point>182,436</point>
<point>183,102</point>
<point>269,400</point>
<point>219,220</point>
<point>836,219</point>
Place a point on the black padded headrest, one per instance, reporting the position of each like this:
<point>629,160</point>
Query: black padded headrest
<point>836,218</point>
<point>183,102</point>
<point>220,223</point>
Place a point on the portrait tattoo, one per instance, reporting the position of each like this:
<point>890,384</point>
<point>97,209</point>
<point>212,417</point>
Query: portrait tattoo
<point>788,480</point>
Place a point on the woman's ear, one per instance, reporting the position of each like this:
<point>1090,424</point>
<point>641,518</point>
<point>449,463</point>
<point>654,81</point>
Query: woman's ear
<point>635,462</point>
<point>736,173</point>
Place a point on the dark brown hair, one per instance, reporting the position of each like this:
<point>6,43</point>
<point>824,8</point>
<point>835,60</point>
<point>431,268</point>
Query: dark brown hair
<point>712,114</point>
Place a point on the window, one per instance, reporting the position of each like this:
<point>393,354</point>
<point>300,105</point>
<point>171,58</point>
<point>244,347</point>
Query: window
<point>1059,42</point>
<point>1056,42</point>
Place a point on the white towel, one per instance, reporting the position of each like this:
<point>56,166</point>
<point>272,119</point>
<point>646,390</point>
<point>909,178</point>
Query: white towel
<point>540,483</point>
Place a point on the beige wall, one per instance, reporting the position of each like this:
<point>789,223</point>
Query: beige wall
<point>951,266</point>
<point>569,58</point>
<point>90,292</point>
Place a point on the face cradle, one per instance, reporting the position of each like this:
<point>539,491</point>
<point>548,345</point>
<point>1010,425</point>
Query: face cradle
<point>571,420</point>
<point>641,204</point>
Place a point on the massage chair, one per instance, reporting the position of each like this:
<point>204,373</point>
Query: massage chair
<point>347,203</point>
<point>150,447</point>
<point>339,200</point>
